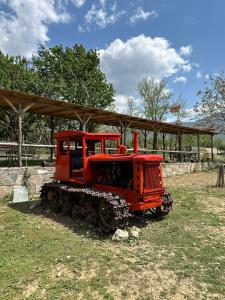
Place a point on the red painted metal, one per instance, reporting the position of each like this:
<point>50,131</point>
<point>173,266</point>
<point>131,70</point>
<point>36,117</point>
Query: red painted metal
<point>78,162</point>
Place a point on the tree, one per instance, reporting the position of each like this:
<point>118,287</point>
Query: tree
<point>132,108</point>
<point>72,74</point>
<point>156,99</point>
<point>15,74</point>
<point>211,109</point>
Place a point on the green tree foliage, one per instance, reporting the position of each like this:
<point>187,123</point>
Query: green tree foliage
<point>157,101</point>
<point>211,109</point>
<point>132,108</point>
<point>156,98</point>
<point>72,74</point>
<point>15,74</point>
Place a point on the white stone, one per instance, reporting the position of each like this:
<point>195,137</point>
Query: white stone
<point>120,235</point>
<point>135,232</point>
<point>20,194</point>
<point>42,172</point>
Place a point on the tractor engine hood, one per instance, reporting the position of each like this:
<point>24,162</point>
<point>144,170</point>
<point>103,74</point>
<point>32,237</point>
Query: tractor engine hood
<point>147,158</point>
<point>131,157</point>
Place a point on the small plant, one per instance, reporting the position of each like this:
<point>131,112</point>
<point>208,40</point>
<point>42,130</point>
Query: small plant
<point>26,177</point>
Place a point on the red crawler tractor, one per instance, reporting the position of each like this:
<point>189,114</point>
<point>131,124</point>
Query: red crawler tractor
<point>103,187</point>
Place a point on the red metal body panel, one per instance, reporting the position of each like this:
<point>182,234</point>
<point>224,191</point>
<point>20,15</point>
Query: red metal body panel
<point>76,165</point>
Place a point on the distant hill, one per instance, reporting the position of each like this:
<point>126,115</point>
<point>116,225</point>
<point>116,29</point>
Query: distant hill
<point>189,124</point>
<point>193,124</point>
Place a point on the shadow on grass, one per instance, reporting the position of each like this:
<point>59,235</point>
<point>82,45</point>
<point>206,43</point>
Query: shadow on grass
<point>79,226</point>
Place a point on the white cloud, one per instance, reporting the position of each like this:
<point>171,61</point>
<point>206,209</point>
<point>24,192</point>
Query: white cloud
<point>207,76</point>
<point>186,67</point>
<point>126,63</point>
<point>199,74</point>
<point>102,17</point>
<point>180,79</point>
<point>142,15</point>
<point>26,24</point>
<point>196,65</point>
<point>186,51</point>
<point>121,103</point>
<point>78,3</point>
<point>102,2</point>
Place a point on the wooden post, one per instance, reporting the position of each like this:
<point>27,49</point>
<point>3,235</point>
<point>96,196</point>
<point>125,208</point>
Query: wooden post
<point>83,126</point>
<point>212,154</point>
<point>198,141</point>
<point>180,146</point>
<point>156,137</point>
<point>164,146</point>
<point>121,137</point>
<point>20,111</point>
<point>83,121</point>
<point>124,126</point>
<point>20,136</point>
<point>125,136</point>
<point>220,178</point>
<point>51,137</point>
<point>145,139</point>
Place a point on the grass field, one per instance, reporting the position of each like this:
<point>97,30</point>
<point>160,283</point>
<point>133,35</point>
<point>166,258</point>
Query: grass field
<point>181,257</point>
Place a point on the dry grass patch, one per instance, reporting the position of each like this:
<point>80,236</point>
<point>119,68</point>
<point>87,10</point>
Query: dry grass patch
<point>198,180</point>
<point>31,288</point>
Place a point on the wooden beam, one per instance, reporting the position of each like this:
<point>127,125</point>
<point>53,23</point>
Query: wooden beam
<point>20,135</point>
<point>11,105</point>
<point>198,143</point>
<point>51,137</point>
<point>164,146</point>
<point>212,146</point>
<point>145,132</point>
<point>124,126</point>
<point>83,120</point>
<point>39,109</point>
<point>27,108</point>
<point>180,146</point>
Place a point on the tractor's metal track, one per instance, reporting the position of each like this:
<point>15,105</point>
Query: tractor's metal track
<point>81,197</point>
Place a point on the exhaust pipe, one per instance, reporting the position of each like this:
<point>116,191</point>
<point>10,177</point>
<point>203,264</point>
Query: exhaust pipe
<point>135,141</point>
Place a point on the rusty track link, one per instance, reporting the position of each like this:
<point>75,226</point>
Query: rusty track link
<point>88,203</point>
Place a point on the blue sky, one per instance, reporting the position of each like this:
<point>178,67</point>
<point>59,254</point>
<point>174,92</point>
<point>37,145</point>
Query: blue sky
<point>180,41</point>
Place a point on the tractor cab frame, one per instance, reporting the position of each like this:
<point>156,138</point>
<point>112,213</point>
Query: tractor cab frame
<point>84,158</point>
<point>74,148</point>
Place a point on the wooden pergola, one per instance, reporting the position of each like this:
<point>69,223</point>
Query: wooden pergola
<point>21,103</point>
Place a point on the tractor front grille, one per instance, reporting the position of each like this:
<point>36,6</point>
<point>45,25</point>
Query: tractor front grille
<point>152,178</point>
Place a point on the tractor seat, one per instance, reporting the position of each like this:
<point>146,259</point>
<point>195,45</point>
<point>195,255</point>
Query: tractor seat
<point>76,161</point>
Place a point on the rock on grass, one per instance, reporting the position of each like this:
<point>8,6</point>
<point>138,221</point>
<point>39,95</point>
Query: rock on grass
<point>120,235</point>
